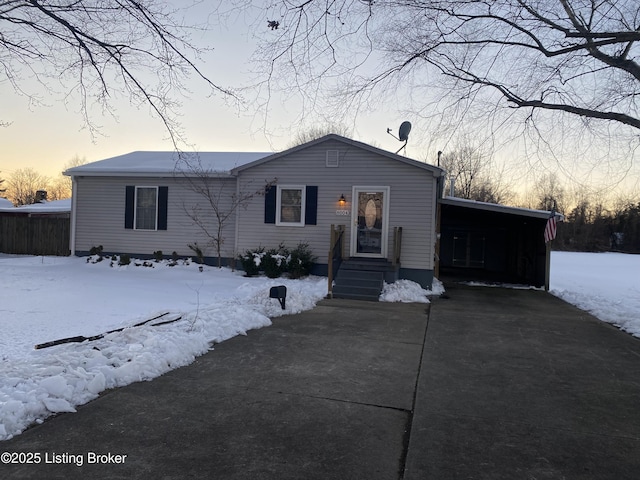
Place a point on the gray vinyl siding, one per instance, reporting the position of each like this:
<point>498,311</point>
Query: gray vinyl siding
<point>100,210</point>
<point>412,200</point>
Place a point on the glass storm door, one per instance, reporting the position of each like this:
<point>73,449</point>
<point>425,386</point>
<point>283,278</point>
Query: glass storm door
<point>369,216</point>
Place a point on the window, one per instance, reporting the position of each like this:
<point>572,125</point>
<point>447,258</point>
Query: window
<point>146,208</point>
<point>146,211</point>
<point>290,206</point>
<point>300,205</point>
<point>469,249</point>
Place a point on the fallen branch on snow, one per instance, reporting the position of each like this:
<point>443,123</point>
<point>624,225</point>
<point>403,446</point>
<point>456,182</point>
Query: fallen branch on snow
<point>80,338</point>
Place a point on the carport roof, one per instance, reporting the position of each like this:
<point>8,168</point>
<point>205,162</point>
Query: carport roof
<point>496,207</point>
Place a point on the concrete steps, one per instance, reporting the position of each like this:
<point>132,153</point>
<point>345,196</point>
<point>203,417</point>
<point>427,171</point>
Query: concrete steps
<point>362,279</point>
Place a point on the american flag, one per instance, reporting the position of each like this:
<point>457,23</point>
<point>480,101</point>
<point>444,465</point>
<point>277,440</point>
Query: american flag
<point>550,228</point>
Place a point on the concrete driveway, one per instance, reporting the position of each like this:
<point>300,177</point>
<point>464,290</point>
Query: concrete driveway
<point>487,383</point>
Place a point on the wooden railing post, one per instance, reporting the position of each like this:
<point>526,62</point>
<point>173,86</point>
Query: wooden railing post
<point>336,240</point>
<point>330,263</point>
<point>397,245</point>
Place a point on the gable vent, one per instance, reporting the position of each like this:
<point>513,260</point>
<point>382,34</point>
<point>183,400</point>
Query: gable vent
<point>333,158</point>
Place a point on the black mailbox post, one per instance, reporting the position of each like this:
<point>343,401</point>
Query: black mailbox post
<point>279,292</point>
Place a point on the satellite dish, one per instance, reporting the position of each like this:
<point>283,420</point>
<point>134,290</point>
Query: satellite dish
<point>403,133</point>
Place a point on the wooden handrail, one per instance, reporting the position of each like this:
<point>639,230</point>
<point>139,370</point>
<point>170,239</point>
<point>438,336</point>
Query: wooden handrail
<point>336,253</point>
<point>397,245</point>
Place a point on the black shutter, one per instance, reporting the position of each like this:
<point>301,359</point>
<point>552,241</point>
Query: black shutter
<point>270,204</point>
<point>311,206</point>
<point>129,205</point>
<point>163,202</point>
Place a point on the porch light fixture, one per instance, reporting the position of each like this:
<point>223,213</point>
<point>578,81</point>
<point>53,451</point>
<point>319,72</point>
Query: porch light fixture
<point>342,201</point>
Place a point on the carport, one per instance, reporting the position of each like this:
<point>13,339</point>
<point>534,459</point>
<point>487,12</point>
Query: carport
<point>492,243</point>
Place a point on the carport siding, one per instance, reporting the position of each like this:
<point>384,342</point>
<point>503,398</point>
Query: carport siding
<point>100,205</point>
<point>412,201</point>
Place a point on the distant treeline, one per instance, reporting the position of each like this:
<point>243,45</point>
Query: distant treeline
<point>592,228</point>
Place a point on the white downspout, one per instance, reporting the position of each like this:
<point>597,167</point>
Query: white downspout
<point>235,252</point>
<point>74,200</point>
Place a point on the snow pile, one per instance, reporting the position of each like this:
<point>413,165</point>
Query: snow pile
<point>42,305</point>
<point>408,291</point>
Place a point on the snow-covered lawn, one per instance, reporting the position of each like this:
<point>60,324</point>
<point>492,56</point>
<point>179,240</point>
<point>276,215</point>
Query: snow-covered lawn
<point>49,298</point>
<point>607,285</point>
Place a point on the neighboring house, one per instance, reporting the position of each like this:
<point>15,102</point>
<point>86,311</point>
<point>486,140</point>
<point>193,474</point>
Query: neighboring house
<point>137,203</point>
<point>53,209</point>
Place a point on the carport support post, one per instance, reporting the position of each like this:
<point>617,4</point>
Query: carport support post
<point>436,248</point>
<point>547,265</point>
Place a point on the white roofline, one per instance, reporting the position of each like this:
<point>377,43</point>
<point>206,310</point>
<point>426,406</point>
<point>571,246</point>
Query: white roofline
<point>166,164</point>
<point>436,171</point>
<point>496,207</point>
<point>151,173</point>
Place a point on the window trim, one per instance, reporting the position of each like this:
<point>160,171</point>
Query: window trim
<point>135,209</point>
<point>303,204</point>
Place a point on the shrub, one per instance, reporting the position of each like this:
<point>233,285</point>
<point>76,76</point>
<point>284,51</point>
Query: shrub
<point>124,259</point>
<point>198,251</point>
<point>93,252</point>
<point>251,261</point>
<point>158,256</point>
<point>301,262</point>
<point>274,263</point>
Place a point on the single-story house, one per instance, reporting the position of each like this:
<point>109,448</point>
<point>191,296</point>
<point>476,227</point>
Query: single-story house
<point>492,243</point>
<point>142,202</point>
<point>49,209</point>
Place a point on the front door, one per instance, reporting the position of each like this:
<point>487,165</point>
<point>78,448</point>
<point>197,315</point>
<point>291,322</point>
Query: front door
<point>369,216</point>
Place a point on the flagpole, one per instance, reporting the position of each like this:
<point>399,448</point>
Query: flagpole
<point>549,236</point>
<point>547,267</point>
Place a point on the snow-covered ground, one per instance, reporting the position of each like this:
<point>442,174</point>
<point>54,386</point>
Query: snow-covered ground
<point>48,298</point>
<point>607,285</point>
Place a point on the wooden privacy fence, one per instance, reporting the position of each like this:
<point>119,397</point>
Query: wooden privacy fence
<point>34,235</point>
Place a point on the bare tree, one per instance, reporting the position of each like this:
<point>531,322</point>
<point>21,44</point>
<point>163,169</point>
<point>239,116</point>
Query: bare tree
<point>318,131</point>
<point>550,194</point>
<point>496,63</point>
<point>464,165</point>
<point>492,189</point>
<point>24,184</point>
<point>219,200</point>
<point>61,186</point>
<point>99,50</point>
<point>473,173</point>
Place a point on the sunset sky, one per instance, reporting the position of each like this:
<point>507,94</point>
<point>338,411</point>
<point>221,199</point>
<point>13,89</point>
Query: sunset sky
<point>46,137</point>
